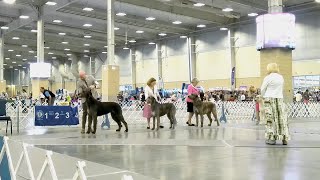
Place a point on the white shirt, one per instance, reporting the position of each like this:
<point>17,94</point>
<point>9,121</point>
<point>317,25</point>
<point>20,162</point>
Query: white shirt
<point>149,92</point>
<point>272,86</point>
<point>298,97</point>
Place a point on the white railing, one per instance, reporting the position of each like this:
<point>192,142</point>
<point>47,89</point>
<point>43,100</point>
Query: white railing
<point>235,112</point>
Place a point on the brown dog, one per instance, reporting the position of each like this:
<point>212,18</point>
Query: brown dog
<point>202,108</point>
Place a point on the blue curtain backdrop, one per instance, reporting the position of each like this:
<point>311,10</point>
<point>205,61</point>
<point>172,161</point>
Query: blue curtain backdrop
<point>4,167</point>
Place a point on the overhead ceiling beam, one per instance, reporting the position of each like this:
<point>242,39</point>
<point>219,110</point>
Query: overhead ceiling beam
<point>183,11</point>
<point>258,5</point>
<point>33,16</point>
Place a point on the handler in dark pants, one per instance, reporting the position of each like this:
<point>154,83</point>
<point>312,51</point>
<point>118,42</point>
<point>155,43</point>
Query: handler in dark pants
<point>84,83</point>
<point>48,95</point>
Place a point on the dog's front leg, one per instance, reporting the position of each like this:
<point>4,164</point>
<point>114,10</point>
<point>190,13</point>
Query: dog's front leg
<point>197,119</point>
<point>201,116</point>
<point>89,123</point>
<point>154,123</point>
<point>158,123</point>
<point>95,121</point>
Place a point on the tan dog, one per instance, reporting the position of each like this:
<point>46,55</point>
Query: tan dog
<point>202,108</point>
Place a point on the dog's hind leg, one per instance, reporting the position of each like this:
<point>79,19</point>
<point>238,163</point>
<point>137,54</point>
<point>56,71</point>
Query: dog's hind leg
<point>124,122</point>
<point>171,120</point>
<point>210,119</point>
<point>201,116</point>
<point>154,123</point>
<point>197,119</point>
<point>117,120</point>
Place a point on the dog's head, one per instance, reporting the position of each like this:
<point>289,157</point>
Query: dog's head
<point>86,93</point>
<point>151,100</point>
<point>193,97</point>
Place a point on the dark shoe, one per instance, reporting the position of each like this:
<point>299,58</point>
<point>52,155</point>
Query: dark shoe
<point>148,127</point>
<point>161,126</point>
<point>191,124</point>
<point>284,142</point>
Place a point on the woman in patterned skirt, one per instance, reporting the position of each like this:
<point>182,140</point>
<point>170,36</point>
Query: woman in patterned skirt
<point>275,117</point>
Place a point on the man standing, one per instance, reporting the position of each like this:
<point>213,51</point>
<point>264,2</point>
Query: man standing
<point>48,95</point>
<point>86,82</point>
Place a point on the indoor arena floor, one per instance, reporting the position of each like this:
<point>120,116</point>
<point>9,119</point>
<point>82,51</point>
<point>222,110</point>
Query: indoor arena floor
<point>230,152</point>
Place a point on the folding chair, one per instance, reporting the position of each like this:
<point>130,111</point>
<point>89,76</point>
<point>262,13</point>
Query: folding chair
<point>3,114</point>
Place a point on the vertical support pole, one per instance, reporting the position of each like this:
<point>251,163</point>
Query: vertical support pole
<point>232,58</point>
<point>192,54</point>
<point>275,6</point>
<point>110,21</point>
<point>40,35</point>
<point>1,55</point>
<point>159,56</point>
<point>133,67</point>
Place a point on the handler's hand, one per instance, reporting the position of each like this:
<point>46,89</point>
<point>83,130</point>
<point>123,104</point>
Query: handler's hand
<point>92,87</point>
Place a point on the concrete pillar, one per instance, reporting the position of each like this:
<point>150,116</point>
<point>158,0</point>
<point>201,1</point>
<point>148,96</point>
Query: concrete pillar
<point>133,67</point>
<point>232,58</point>
<point>39,82</point>
<point>275,6</point>
<point>2,81</point>
<point>110,72</point>
<point>160,58</point>
<point>281,56</point>
<point>192,54</point>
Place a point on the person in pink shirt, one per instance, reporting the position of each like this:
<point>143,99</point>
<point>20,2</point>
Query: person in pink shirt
<point>191,90</point>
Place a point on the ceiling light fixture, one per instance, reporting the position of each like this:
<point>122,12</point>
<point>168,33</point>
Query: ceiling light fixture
<point>50,53</point>
<point>105,46</point>
<point>87,36</point>
<point>24,45</point>
<point>36,56</point>
<point>86,44</point>
<point>199,4</point>
<point>19,65</point>
<point>69,54</point>
<point>183,37</point>
<point>139,32</point>
<point>13,62</point>
<point>54,57</point>
<point>4,27</point>
<point>116,28</point>
<point>62,34</point>
<point>18,55</point>
<point>121,14</point>
<point>162,34</point>
<point>24,67</point>
<point>46,47</point>
<point>150,18</point>
<point>227,9</point>
<point>87,9</point>
<point>15,38</point>
<point>132,41</point>
<point>67,49</point>
<point>223,29</point>
<point>34,30</point>
<point>9,1</point>
<point>65,42</point>
<point>24,59</point>
<point>85,55</point>
<point>7,58</point>
<point>255,14</point>
<point>318,1</point>
<point>10,50</point>
<point>87,25</point>
<point>176,22</point>
<point>152,43</point>
<point>201,26</point>
<point>50,3</point>
<point>24,17</point>
<point>104,52</point>
<point>125,48</point>
<point>86,51</point>
<point>31,51</point>
<point>57,21</point>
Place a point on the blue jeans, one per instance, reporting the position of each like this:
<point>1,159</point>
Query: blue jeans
<point>106,122</point>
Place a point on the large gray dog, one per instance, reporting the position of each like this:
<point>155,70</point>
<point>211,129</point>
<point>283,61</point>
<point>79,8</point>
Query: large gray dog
<point>159,110</point>
<point>202,108</point>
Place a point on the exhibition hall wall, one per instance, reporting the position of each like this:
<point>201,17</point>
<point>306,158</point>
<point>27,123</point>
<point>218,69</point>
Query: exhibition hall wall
<point>212,63</point>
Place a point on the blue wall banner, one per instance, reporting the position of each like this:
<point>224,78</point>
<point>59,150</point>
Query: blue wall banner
<point>56,116</point>
<point>4,166</point>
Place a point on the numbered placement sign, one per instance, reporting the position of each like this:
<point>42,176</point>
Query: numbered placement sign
<point>56,116</point>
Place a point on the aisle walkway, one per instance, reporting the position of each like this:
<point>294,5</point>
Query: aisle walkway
<point>230,152</point>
